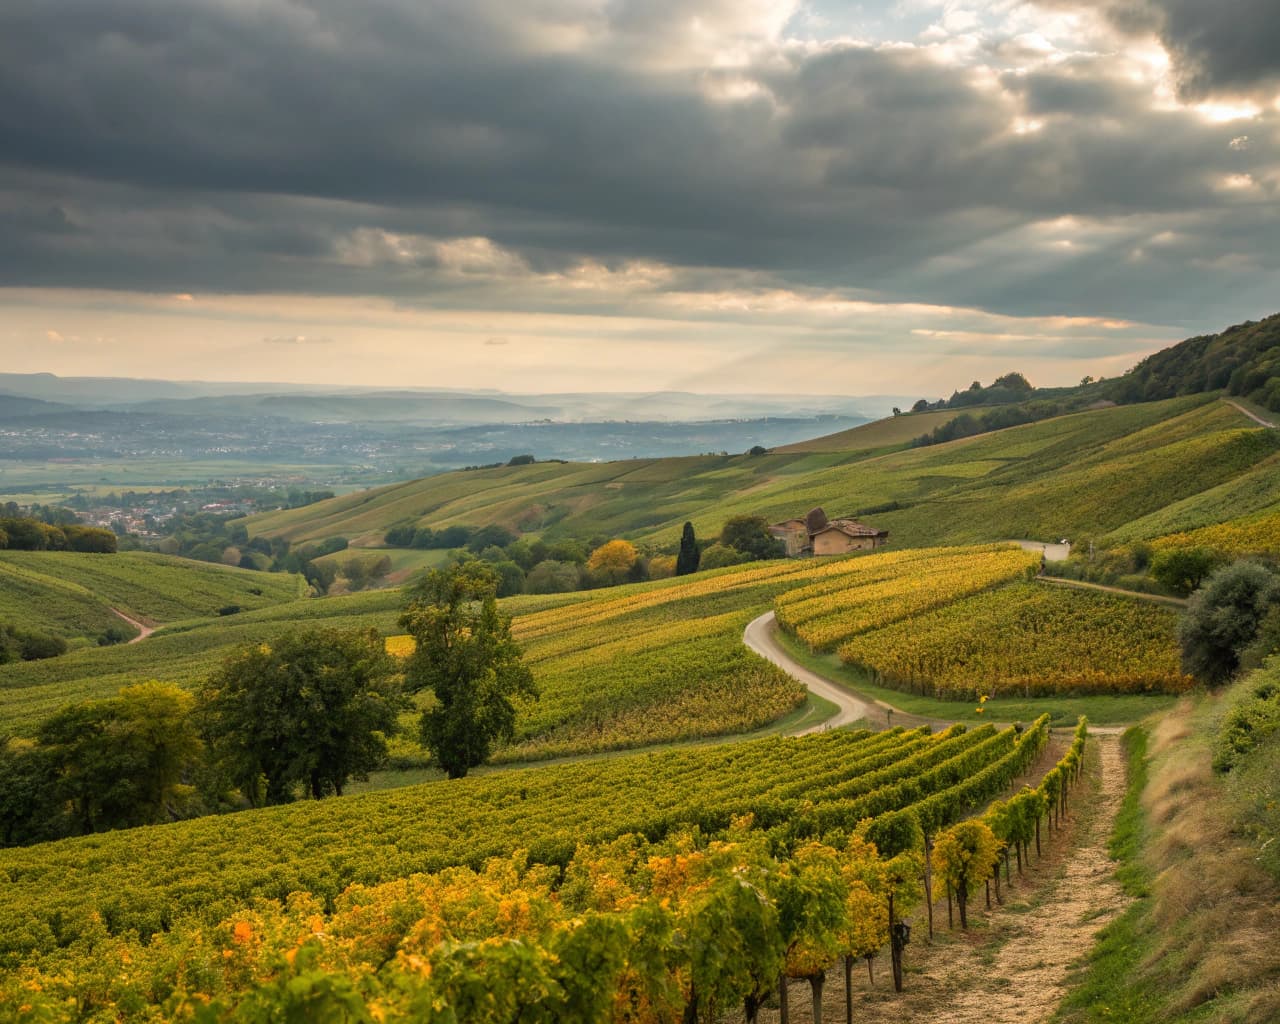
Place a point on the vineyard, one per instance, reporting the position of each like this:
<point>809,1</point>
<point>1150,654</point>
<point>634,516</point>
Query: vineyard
<point>824,614</point>
<point>579,892</point>
<point>1091,472</point>
<point>1030,641</point>
<point>73,593</point>
<point>1256,535</point>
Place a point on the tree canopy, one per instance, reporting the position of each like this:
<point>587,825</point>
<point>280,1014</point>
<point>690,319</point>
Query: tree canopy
<point>750,535</point>
<point>466,657</point>
<point>1224,617</point>
<point>312,709</point>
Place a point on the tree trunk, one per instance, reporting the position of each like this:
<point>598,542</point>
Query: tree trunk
<point>988,894</point>
<point>951,921</point>
<point>871,977</point>
<point>784,1010</point>
<point>691,1008</point>
<point>895,951</point>
<point>751,1009</point>
<point>928,883</point>
<point>962,900</point>
<point>1038,853</point>
<point>848,989</point>
<point>816,982</point>
<point>999,898</point>
<point>1017,849</point>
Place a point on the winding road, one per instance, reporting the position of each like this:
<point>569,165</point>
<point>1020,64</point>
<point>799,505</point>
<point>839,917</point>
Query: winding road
<point>760,637</point>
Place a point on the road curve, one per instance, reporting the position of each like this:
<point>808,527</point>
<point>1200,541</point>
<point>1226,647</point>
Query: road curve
<point>759,637</point>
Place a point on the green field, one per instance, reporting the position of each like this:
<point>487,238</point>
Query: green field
<point>73,594</point>
<point>892,432</point>
<point>1089,473</point>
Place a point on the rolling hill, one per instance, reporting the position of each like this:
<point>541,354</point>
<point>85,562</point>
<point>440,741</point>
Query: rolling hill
<point>1087,473</point>
<point>73,594</point>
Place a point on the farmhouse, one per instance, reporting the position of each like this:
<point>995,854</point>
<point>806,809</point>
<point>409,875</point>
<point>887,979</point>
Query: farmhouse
<point>815,534</point>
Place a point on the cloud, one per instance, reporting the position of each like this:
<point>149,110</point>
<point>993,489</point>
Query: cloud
<point>636,158</point>
<point>497,341</point>
<point>297,339</point>
<point>1217,46</point>
<point>55,337</point>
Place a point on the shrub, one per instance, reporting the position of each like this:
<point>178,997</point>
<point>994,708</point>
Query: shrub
<point>1224,619</point>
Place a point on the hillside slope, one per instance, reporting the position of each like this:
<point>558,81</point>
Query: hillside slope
<point>1086,473</point>
<point>73,594</point>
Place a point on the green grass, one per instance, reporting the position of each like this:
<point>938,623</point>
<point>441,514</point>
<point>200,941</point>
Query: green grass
<point>1106,986</point>
<point>893,431</point>
<point>1063,711</point>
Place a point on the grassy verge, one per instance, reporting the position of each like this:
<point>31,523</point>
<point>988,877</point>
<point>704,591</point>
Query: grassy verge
<point>1063,711</point>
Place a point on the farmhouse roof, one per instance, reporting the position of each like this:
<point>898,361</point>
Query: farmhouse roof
<point>850,528</point>
<point>788,525</point>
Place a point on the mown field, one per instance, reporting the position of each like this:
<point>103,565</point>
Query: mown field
<point>1090,473</point>
<point>72,594</point>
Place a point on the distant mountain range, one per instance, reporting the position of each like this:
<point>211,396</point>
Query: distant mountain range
<point>434,406</point>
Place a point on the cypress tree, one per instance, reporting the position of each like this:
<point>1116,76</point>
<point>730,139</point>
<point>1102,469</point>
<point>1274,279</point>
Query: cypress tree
<point>687,560</point>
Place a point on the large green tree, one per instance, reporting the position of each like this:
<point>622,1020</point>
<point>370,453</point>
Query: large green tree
<point>466,657</point>
<point>120,762</point>
<point>312,708</point>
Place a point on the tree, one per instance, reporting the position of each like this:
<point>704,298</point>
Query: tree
<point>1182,570</point>
<point>1013,381</point>
<point>751,536</point>
<point>662,567</point>
<point>312,708</point>
<point>552,577</point>
<point>466,657</point>
<point>717,556</point>
<point>120,762</point>
<point>758,449</point>
<point>1224,618</point>
<point>612,562</point>
<point>921,405</point>
<point>687,560</point>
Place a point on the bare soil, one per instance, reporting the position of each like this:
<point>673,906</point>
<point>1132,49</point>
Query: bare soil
<point>1010,966</point>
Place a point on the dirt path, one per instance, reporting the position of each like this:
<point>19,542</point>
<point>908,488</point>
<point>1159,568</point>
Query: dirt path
<point>1082,585</point>
<point>1011,966</point>
<point>1252,415</point>
<point>144,630</point>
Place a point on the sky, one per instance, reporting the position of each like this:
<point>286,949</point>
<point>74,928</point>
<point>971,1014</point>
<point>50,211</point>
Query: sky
<point>708,195</point>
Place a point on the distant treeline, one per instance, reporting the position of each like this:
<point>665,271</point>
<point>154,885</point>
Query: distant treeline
<point>24,534</point>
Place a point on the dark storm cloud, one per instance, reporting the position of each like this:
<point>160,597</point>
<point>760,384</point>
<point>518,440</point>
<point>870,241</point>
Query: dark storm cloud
<point>326,147</point>
<point>1216,45</point>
